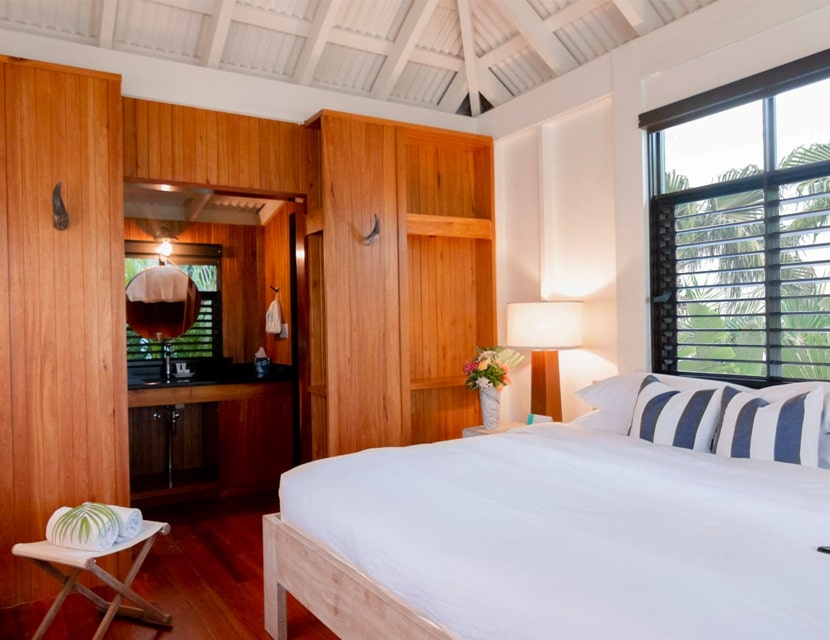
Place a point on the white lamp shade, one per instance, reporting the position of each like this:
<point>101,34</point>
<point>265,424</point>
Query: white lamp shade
<point>544,325</point>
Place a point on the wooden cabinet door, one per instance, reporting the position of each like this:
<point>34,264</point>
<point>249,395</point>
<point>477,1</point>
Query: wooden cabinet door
<point>66,341</point>
<point>255,442</point>
<point>361,294</point>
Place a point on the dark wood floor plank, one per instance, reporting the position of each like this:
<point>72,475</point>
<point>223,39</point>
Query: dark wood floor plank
<point>207,574</point>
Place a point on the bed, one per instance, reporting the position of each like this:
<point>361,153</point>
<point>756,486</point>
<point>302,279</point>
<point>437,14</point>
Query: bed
<point>565,531</point>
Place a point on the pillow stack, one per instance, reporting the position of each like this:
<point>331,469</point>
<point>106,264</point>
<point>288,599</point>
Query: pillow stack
<point>785,423</point>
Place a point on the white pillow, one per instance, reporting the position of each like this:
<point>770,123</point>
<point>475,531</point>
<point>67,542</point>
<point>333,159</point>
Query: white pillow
<point>777,423</point>
<point>667,416</point>
<point>789,389</point>
<point>615,397</point>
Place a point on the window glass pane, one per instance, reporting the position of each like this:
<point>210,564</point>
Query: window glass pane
<point>802,125</point>
<point>716,148</point>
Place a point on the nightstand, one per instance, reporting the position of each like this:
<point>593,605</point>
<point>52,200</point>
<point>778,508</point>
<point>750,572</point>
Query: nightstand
<point>470,432</point>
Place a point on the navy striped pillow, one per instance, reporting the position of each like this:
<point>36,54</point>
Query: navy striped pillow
<point>684,419</point>
<point>783,431</point>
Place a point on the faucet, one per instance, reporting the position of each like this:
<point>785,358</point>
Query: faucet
<point>167,369</point>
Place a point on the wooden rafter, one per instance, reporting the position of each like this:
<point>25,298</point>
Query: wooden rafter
<point>640,15</point>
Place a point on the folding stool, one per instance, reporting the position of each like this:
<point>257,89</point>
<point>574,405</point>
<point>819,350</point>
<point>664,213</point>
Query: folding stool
<point>44,554</point>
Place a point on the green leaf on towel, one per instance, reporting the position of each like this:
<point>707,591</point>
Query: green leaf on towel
<point>77,523</point>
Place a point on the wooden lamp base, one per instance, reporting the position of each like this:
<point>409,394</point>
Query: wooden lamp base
<point>545,389</point>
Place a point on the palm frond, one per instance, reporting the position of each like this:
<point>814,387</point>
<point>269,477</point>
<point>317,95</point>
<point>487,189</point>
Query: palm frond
<point>78,522</point>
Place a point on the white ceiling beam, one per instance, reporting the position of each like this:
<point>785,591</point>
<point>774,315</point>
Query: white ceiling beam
<point>640,15</point>
<point>411,30</point>
<point>316,40</point>
<point>465,21</point>
<point>272,21</point>
<point>107,31</point>
<point>489,86</point>
<point>539,36</point>
<point>572,12</point>
<point>455,94</point>
<point>437,60</point>
<point>359,41</point>
<point>216,33</point>
<point>505,50</point>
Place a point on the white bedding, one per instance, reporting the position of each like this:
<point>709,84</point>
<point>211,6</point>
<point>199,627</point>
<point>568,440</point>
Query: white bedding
<point>553,531</point>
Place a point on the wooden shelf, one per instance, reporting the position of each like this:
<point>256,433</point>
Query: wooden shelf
<point>418,224</point>
<point>437,383</point>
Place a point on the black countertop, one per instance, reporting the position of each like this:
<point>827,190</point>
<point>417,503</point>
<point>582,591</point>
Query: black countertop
<point>150,376</point>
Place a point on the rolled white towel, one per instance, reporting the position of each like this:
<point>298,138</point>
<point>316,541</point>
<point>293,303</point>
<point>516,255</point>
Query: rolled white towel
<point>87,527</point>
<point>129,522</point>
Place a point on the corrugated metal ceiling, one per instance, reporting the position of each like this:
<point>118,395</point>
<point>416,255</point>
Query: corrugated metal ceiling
<point>459,56</point>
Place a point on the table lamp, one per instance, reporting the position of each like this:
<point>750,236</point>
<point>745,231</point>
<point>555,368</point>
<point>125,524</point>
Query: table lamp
<point>545,328</point>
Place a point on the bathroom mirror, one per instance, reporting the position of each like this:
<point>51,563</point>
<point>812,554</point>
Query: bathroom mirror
<point>162,303</point>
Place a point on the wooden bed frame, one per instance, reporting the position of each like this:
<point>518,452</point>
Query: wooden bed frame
<point>347,601</point>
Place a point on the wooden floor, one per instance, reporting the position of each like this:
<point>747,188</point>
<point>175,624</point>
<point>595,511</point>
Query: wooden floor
<point>207,573</point>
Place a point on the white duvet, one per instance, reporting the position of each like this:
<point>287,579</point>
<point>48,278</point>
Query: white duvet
<point>551,532</point>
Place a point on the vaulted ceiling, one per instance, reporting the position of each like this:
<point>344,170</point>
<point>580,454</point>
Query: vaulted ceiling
<point>457,56</point>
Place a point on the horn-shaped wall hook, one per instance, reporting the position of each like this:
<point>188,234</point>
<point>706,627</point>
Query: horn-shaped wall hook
<point>373,234</point>
<point>60,216</point>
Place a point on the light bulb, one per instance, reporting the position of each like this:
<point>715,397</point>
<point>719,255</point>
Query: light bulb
<point>165,248</point>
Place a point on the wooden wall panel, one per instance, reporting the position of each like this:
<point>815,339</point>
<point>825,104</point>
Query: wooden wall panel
<point>447,175</point>
<point>278,260</point>
<point>243,280</point>
<point>67,352</point>
<point>362,302</point>
<point>172,143</point>
<point>443,311</point>
<point>7,468</point>
<point>256,437</point>
<point>442,413</point>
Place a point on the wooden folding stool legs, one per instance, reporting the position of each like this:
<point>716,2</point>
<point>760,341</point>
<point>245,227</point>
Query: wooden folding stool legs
<point>44,554</point>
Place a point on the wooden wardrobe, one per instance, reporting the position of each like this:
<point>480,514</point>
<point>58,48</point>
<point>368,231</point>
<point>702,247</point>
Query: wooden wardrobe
<point>393,319</point>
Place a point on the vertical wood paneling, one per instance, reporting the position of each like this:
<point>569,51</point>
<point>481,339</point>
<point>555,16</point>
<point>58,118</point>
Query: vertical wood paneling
<point>441,414</point>
<point>173,143</point>
<point>278,259</point>
<point>450,281</point>
<point>443,314</point>
<point>7,461</point>
<point>256,437</point>
<point>362,303</point>
<point>67,366</point>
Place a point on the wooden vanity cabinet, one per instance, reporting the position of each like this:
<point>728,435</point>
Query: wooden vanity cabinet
<point>230,439</point>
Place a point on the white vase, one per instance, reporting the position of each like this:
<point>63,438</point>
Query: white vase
<point>489,407</point>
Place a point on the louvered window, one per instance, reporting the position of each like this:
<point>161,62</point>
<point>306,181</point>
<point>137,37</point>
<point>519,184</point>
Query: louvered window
<point>740,239</point>
<point>202,264</point>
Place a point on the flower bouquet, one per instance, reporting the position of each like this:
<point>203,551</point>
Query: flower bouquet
<point>489,372</point>
<point>491,368</point>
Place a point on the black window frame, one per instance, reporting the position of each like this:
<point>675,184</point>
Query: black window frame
<point>662,231</point>
<point>211,301</point>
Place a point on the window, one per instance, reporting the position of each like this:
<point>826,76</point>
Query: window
<point>202,263</point>
<point>740,230</point>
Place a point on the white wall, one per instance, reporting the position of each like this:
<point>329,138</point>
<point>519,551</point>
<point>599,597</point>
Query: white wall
<point>590,211</point>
